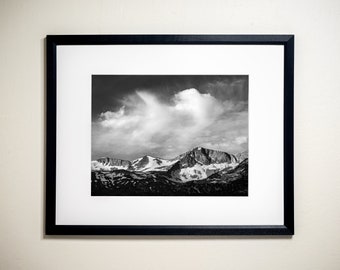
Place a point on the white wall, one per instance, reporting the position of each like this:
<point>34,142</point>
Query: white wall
<point>23,26</point>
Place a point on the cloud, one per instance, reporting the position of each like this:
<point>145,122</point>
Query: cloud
<point>146,125</point>
<point>241,139</point>
<point>227,88</point>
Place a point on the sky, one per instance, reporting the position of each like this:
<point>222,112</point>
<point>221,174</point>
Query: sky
<point>167,115</point>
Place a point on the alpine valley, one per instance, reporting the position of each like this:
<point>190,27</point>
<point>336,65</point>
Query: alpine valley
<point>198,172</point>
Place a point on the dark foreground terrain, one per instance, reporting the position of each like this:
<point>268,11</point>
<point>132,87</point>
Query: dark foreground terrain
<point>229,182</point>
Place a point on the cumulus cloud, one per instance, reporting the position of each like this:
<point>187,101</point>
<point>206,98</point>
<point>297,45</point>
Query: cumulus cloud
<point>146,125</point>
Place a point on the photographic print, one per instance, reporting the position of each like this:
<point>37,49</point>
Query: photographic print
<point>169,135</point>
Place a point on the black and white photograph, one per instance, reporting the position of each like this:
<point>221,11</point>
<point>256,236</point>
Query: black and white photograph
<point>169,135</point>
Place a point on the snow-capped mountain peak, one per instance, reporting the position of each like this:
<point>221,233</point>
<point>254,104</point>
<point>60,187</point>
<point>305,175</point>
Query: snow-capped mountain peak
<point>149,163</point>
<point>206,156</point>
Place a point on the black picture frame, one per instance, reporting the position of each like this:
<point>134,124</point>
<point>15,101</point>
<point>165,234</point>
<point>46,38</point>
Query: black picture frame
<point>53,41</point>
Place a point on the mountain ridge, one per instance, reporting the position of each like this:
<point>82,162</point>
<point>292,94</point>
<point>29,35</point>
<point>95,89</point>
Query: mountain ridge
<point>196,164</point>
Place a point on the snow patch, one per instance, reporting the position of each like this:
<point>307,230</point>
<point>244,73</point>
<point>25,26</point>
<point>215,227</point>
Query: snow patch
<point>98,166</point>
<point>201,171</point>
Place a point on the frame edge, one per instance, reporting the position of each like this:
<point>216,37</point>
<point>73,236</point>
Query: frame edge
<point>51,43</point>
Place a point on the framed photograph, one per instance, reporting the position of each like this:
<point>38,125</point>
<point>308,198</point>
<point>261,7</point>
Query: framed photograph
<point>169,135</point>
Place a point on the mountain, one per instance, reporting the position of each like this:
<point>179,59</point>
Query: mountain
<point>206,157</point>
<point>148,163</point>
<point>196,164</point>
<point>198,172</point>
<point>199,163</point>
<point>109,164</point>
